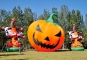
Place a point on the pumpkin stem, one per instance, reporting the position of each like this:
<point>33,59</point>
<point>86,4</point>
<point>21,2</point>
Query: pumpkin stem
<point>52,17</point>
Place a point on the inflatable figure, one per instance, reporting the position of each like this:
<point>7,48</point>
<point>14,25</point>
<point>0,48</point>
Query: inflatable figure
<point>46,35</point>
<point>13,33</point>
<point>75,39</point>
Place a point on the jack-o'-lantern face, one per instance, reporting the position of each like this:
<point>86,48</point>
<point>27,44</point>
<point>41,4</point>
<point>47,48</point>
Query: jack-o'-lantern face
<point>45,36</point>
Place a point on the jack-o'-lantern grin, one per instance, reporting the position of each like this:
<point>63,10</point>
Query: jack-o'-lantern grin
<point>44,45</point>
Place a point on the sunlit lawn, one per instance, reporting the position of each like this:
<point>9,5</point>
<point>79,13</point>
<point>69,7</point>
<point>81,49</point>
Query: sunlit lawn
<point>34,55</point>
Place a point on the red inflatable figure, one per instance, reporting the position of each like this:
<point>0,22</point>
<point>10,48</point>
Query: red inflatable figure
<point>75,37</point>
<point>13,33</point>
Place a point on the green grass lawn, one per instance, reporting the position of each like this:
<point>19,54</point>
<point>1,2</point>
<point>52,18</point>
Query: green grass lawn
<point>34,55</point>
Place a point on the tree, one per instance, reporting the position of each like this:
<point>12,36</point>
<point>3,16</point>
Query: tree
<point>78,20</point>
<point>3,15</point>
<point>28,18</point>
<point>85,32</point>
<point>3,22</point>
<point>18,14</point>
<point>68,20</point>
<point>62,16</point>
<point>45,15</point>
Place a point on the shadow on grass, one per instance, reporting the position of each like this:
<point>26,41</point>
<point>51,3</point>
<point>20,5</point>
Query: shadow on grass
<point>56,51</point>
<point>62,50</point>
<point>10,54</point>
<point>19,59</point>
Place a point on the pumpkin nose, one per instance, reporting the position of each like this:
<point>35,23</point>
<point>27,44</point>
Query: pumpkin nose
<point>47,38</point>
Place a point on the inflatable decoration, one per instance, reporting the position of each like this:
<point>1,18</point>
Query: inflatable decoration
<point>75,37</point>
<point>46,35</point>
<point>13,33</point>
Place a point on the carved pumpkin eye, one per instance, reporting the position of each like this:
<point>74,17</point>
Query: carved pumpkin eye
<point>58,34</point>
<point>38,28</point>
<point>47,38</point>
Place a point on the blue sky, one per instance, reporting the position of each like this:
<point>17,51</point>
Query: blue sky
<point>39,5</point>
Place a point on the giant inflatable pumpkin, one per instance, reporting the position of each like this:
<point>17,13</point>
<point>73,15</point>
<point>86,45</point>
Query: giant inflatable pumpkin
<point>45,35</point>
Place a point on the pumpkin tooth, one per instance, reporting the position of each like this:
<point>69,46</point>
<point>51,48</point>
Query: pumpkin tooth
<point>40,43</point>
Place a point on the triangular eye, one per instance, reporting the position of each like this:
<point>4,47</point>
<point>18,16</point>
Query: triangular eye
<point>59,34</point>
<point>47,38</point>
<point>38,28</point>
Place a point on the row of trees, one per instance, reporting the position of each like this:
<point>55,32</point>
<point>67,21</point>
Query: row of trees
<point>25,17</point>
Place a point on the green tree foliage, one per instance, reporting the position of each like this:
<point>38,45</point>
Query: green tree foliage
<point>85,32</point>
<point>68,20</point>
<point>18,14</point>
<point>3,16</point>
<point>3,22</point>
<point>78,20</point>
<point>62,16</point>
<point>28,18</point>
<point>45,15</point>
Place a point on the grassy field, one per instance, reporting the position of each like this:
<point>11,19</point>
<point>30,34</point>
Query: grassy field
<point>34,55</point>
